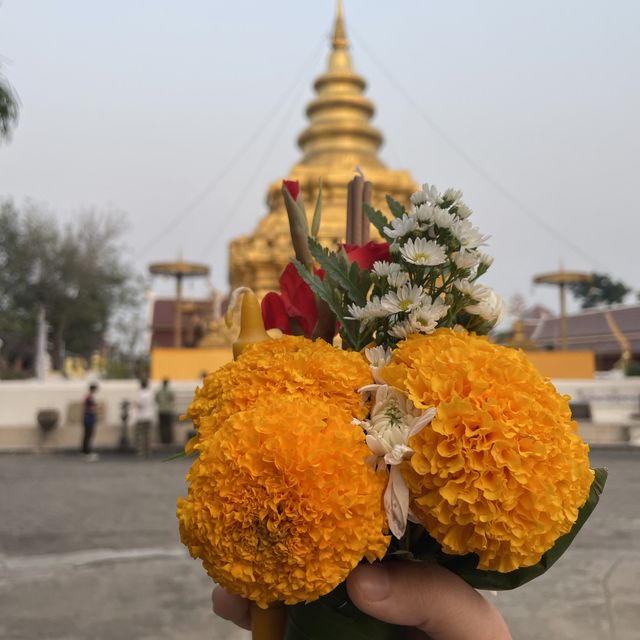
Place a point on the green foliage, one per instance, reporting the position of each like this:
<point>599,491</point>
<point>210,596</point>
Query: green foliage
<point>633,368</point>
<point>11,374</point>
<point>377,218</point>
<point>76,273</point>
<point>395,207</point>
<point>602,290</point>
<point>335,616</point>
<point>8,109</point>
<point>343,284</point>
<point>317,213</point>
<point>348,277</point>
<point>428,550</point>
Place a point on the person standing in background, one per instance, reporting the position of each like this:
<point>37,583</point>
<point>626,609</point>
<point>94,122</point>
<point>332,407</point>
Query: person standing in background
<point>165,399</point>
<point>89,419</point>
<point>144,419</point>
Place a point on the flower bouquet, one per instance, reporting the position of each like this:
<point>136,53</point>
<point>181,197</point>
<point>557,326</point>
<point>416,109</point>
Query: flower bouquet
<point>377,422</point>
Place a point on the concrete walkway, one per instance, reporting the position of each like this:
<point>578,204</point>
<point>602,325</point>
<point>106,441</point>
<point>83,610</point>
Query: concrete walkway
<point>89,551</point>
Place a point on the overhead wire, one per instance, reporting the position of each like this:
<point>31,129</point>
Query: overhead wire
<point>187,210</point>
<point>268,150</point>
<point>479,169</point>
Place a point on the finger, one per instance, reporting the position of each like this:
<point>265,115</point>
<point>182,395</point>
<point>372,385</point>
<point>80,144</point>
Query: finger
<point>231,607</point>
<point>427,597</point>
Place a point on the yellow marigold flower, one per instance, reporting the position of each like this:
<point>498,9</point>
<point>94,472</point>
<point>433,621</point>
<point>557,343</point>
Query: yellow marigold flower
<point>500,471</point>
<point>281,505</point>
<point>291,364</point>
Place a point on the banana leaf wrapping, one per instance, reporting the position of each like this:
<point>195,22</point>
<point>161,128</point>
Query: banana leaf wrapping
<point>335,617</point>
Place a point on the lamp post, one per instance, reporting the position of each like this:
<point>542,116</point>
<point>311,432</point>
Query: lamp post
<point>561,279</point>
<point>178,270</point>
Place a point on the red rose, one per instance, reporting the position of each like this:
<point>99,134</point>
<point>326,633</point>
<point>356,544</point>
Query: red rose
<point>274,313</point>
<point>294,309</point>
<point>366,254</point>
<point>293,187</point>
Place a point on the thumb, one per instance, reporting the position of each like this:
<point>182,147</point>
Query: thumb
<point>427,597</point>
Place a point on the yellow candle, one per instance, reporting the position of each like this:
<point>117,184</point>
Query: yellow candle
<point>251,325</point>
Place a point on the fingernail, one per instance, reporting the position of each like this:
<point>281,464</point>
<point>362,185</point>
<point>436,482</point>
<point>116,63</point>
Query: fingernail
<point>372,582</point>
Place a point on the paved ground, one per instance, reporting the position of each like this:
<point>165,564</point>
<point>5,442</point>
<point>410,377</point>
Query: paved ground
<point>90,552</point>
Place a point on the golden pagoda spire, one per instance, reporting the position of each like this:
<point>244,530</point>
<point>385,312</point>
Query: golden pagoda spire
<point>339,138</point>
<point>339,132</point>
<point>340,40</point>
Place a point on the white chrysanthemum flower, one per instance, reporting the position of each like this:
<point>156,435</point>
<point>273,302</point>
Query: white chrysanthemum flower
<point>466,259</point>
<point>451,196</point>
<point>373,309</point>
<point>401,226</point>
<point>394,420</point>
<point>378,358</point>
<point>467,235</point>
<point>396,280</point>
<point>356,312</point>
<point>404,329</point>
<point>490,306</point>
<point>463,211</point>
<point>436,308</point>
<point>425,318</point>
<point>439,308</point>
<point>418,198</point>
<point>423,252</point>
<point>385,269</point>
<point>405,299</point>
<point>424,212</point>
<point>470,289</point>
<point>485,260</point>
<point>431,193</point>
<point>442,218</point>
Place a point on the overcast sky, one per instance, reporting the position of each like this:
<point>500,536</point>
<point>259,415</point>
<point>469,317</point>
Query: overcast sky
<point>164,109</point>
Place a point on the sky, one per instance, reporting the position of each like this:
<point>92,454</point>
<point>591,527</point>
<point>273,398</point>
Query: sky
<point>179,114</point>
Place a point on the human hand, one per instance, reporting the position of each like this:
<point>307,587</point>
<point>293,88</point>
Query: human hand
<point>431,600</point>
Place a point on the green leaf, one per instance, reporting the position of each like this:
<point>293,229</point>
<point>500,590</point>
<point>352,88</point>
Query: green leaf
<point>296,210</point>
<point>317,214</point>
<point>377,218</point>
<point>337,269</point>
<point>335,617</point>
<point>321,289</point>
<point>395,207</point>
<point>361,281</point>
<point>465,566</point>
<point>175,456</point>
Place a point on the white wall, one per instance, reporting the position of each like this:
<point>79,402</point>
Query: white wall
<point>21,400</point>
<point>612,401</point>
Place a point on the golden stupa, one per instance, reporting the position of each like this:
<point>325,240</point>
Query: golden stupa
<point>339,138</point>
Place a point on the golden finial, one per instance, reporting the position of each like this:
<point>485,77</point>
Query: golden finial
<point>339,32</point>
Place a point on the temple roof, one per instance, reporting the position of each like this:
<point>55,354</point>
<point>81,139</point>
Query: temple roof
<point>592,329</point>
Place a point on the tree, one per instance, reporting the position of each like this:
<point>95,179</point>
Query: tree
<point>76,273</point>
<point>602,290</point>
<point>8,109</point>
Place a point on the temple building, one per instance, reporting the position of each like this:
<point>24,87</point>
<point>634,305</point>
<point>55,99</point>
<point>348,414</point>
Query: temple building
<point>339,139</point>
<point>611,333</point>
